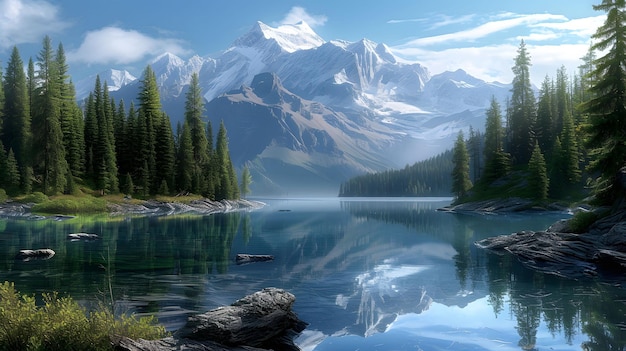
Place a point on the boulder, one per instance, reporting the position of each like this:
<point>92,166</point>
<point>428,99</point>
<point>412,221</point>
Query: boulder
<point>260,321</point>
<point>82,236</point>
<point>38,254</point>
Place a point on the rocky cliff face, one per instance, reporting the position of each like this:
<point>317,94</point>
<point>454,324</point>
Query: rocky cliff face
<point>303,139</point>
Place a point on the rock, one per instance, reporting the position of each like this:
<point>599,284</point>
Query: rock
<point>82,236</point>
<point>260,321</point>
<point>247,258</point>
<point>492,206</point>
<point>39,254</point>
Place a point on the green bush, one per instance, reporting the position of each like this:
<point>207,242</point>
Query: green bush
<point>62,324</point>
<point>581,221</point>
<point>36,197</point>
<point>71,205</point>
<point>3,195</point>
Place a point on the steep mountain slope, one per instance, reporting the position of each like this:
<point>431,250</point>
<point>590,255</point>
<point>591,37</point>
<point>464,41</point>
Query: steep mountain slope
<point>296,145</point>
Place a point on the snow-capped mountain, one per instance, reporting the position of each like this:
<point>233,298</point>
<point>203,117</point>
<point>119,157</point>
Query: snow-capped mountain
<point>360,82</point>
<point>115,79</point>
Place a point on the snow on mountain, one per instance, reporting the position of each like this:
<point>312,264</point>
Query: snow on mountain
<point>363,81</point>
<point>115,79</point>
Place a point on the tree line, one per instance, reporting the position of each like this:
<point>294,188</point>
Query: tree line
<point>430,177</point>
<point>49,143</point>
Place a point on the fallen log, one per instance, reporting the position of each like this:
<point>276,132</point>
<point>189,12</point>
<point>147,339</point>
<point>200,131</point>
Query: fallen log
<point>260,321</point>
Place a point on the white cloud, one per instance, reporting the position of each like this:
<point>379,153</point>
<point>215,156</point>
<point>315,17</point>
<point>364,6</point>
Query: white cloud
<point>494,62</point>
<point>485,29</point>
<point>122,46</point>
<point>27,21</point>
<point>487,50</point>
<point>298,14</point>
<point>437,21</point>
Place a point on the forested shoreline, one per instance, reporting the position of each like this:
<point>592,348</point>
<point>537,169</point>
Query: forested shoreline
<point>52,144</point>
<point>532,147</point>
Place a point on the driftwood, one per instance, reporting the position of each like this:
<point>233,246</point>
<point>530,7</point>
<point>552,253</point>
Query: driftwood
<point>39,254</point>
<point>248,258</point>
<point>261,321</point>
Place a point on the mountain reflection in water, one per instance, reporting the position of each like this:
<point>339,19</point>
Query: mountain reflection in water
<point>368,274</point>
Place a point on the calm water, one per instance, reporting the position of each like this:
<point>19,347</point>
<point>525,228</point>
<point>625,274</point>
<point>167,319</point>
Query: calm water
<point>368,275</point>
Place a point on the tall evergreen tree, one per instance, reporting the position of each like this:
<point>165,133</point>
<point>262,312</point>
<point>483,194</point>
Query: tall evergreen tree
<point>17,122</point>
<point>544,126</point>
<point>538,181</point>
<point>47,135</point>
<point>185,159</point>
<point>150,116</point>
<point>166,155</point>
<point>523,110</point>
<point>227,185</point>
<point>607,107</point>
<point>497,162</point>
<point>70,116</point>
<point>246,180</point>
<point>461,183</point>
<point>194,108</point>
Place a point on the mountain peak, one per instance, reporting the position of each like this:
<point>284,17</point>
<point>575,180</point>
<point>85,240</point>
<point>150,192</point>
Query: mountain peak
<point>290,37</point>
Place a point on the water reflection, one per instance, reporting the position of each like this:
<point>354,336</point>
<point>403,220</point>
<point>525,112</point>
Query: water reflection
<point>392,273</point>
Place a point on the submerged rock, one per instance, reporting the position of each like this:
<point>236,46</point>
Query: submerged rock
<point>38,254</point>
<point>260,321</point>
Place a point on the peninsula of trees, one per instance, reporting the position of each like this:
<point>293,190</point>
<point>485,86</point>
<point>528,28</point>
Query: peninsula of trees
<point>50,144</point>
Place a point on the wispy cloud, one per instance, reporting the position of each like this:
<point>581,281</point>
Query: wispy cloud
<point>437,21</point>
<point>486,49</point>
<point>122,46</point>
<point>298,14</point>
<point>28,21</point>
<point>486,29</point>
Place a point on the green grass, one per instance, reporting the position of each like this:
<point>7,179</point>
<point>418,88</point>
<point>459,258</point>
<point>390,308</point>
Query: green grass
<point>69,204</point>
<point>62,324</point>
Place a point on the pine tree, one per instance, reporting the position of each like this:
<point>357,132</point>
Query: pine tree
<point>166,155</point>
<point>17,122</point>
<point>194,107</point>
<point>150,115</point>
<point>522,109</point>
<point>545,115</point>
<point>70,116</point>
<point>246,180</point>
<point>226,185</point>
<point>497,162</point>
<point>461,183</point>
<point>47,135</point>
<point>185,159</point>
<point>607,107</point>
<point>570,152</point>
<point>90,132</point>
<point>538,176</point>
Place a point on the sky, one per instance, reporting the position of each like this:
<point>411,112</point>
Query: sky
<point>480,36</point>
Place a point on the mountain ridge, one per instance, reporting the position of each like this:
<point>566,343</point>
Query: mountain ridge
<point>363,82</point>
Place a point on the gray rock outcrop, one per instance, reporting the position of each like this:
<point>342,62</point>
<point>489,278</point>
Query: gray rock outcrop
<point>260,321</point>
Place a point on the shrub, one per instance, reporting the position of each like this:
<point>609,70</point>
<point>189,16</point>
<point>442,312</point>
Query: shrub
<point>62,324</point>
<point>3,195</point>
<point>71,205</point>
<point>36,197</point>
<point>581,221</point>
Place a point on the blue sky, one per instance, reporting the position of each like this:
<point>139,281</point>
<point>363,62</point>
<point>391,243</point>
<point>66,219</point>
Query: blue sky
<point>480,36</point>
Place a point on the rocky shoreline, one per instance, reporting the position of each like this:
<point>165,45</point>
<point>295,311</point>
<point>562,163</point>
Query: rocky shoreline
<point>599,252</point>
<point>17,210</point>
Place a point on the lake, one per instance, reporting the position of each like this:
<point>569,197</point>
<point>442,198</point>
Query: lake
<point>368,274</point>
